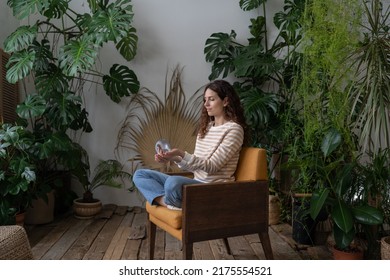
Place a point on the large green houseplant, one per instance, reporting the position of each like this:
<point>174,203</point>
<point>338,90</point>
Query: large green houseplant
<point>337,191</point>
<point>59,51</point>
<point>264,69</point>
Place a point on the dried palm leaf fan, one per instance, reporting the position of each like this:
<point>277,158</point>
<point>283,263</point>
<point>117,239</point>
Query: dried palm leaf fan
<point>150,119</point>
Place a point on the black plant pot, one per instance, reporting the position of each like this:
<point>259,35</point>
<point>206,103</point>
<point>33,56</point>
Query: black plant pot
<point>303,225</point>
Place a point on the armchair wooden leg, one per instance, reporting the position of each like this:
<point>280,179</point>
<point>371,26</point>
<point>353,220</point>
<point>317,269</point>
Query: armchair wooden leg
<point>187,250</point>
<point>265,241</point>
<point>152,239</point>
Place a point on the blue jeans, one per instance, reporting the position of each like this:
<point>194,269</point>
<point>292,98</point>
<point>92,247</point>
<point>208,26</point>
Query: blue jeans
<point>153,184</point>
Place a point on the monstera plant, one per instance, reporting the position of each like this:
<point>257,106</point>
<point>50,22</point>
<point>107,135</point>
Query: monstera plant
<point>58,51</point>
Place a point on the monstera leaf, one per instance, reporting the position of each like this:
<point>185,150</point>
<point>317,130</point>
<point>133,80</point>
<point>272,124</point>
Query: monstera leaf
<point>127,46</point>
<point>56,8</point>
<point>20,65</point>
<point>51,81</point>
<point>77,56</point>
<point>221,50</point>
<point>248,5</point>
<point>33,106</point>
<point>24,8</point>
<point>259,106</point>
<point>219,44</point>
<point>121,82</point>
<point>20,39</point>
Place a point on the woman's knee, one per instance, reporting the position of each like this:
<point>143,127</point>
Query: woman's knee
<point>172,184</point>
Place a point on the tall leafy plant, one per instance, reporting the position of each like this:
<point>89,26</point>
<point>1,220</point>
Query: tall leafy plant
<point>59,52</point>
<point>340,191</point>
<point>264,69</point>
<point>331,33</point>
<point>370,90</point>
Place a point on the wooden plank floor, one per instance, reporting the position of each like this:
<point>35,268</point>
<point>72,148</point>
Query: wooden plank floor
<point>120,234</point>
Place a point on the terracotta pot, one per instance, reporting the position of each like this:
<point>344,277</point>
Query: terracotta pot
<point>344,255</point>
<point>19,218</point>
<point>88,210</point>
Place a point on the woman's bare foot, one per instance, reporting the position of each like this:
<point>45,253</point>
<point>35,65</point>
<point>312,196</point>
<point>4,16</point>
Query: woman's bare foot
<point>160,201</point>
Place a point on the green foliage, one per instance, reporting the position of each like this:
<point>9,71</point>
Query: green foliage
<point>264,71</point>
<point>107,173</point>
<point>331,33</point>
<point>17,171</point>
<point>248,5</point>
<point>338,184</point>
<point>35,47</point>
<point>369,91</point>
<point>59,52</point>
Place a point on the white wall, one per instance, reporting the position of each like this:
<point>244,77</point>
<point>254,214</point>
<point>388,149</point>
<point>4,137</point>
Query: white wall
<point>170,32</point>
<point>7,22</point>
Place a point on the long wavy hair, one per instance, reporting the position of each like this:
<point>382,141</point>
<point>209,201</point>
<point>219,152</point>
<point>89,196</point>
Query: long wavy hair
<point>233,110</point>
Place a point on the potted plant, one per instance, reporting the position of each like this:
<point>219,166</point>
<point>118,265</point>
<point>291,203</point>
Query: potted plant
<point>58,50</point>
<point>337,193</point>
<point>376,191</point>
<point>107,173</point>
<point>17,173</point>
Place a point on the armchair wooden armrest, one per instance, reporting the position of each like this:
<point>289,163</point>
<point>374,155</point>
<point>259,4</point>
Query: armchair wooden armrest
<point>221,210</point>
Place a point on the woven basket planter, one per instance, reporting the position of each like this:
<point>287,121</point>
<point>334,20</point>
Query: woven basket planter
<point>385,248</point>
<point>274,210</point>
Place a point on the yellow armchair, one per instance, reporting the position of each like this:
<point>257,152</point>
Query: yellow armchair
<point>219,210</point>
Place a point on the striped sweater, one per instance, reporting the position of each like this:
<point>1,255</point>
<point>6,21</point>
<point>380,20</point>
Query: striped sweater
<point>216,155</point>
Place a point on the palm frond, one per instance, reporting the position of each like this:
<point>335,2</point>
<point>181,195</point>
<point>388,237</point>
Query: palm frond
<point>149,119</point>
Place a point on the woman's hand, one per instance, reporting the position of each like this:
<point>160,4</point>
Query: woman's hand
<point>160,158</point>
<point>172,155</point>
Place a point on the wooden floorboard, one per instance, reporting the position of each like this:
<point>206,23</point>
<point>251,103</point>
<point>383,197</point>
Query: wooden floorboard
<point>119,233</point>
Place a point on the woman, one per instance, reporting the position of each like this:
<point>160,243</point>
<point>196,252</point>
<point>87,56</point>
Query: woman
<point>218,146</point>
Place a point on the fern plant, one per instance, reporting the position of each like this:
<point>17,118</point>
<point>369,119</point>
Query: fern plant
<point>107,173</point>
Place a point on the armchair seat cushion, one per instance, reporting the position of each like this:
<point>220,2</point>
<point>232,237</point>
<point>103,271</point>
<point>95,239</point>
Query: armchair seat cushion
<point>170,217</point>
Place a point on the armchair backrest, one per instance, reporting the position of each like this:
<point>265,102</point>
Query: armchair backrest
<point>252,165</point>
